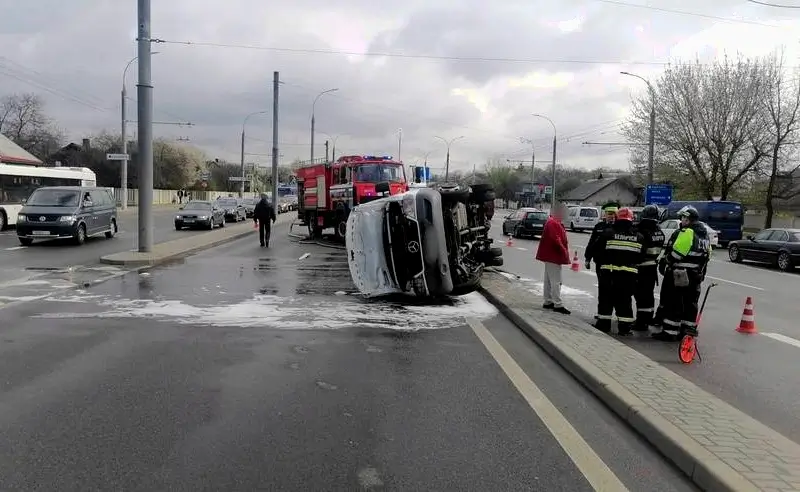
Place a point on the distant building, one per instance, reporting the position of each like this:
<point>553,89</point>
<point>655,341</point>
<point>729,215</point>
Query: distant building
<point>11,153</point>
<point>596,192</point>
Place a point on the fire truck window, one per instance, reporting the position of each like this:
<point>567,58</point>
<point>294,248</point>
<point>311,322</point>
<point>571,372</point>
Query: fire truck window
<point>346,178</point>
<point>336,175</point>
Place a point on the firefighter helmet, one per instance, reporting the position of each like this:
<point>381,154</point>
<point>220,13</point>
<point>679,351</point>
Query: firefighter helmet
<point>625,214</point>
<point>689,212</point>
<point>650,212</point>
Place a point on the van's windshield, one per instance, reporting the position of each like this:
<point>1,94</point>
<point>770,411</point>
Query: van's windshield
<point>53,198</point>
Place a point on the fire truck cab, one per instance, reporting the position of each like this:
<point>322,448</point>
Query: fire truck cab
<point>327,192</point>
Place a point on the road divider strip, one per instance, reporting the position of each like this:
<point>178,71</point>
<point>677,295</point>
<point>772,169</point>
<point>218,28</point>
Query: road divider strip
<point>719,447</point>
<point>185,246</point>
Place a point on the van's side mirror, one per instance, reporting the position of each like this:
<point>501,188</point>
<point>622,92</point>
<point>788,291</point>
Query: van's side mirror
<point>24,201</point>
<point>382,187</point>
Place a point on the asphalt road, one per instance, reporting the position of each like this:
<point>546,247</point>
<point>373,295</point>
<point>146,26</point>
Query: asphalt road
<point>18,261</point>
<point>756,373</point>
<point>250,369</point>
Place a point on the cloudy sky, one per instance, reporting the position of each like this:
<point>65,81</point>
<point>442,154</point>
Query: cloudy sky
<point>448,69</point>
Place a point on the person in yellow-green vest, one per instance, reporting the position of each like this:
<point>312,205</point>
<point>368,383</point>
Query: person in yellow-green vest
<point>684,264</point>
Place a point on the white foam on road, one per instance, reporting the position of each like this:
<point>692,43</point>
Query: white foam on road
<point>291,313</point>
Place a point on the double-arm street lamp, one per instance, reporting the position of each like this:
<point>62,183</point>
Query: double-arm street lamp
<point>313,124</point>
<point>652,142</point>
<point>447,161</point>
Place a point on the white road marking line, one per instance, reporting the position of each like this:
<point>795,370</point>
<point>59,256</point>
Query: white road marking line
<point>783,338</point>
<point>597,473</point>
<point>16,248</point>
<point>522,249</point>
<point>734,283</point>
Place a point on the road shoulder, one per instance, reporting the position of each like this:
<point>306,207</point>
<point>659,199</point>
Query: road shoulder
<point>716,445</point>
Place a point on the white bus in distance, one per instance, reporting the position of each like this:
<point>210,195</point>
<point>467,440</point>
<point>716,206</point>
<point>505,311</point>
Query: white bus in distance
<point>18,181</point>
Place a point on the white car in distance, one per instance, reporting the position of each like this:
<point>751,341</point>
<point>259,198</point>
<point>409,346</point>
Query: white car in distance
<point>672,225</point>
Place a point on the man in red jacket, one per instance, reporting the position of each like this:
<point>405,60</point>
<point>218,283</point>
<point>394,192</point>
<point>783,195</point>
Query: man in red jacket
<point>554,253</point>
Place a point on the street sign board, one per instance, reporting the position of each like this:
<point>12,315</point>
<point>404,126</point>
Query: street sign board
<point>118,157</point>
<point>238,179</point>
<point>548,190</point>
<point>658,194</point>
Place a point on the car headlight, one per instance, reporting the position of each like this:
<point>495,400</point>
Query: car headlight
<point>68,218</point>
<point>21,218</point>
<point>178,217</point>
<point>410,206</point>
<point>203,217</point>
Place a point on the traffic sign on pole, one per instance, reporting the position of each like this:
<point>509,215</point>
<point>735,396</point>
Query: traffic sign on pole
<point>658,194</point>
<point>118,157</point>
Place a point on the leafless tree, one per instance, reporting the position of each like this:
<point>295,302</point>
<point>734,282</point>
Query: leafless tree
<point>708,127</point>
<point>781,110</point>
<point>22,119</point>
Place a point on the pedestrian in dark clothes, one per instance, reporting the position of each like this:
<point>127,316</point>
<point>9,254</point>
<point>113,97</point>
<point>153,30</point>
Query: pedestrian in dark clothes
<point>264,216</point>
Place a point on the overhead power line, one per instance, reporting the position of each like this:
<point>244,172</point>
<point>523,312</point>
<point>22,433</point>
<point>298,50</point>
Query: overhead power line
<point>410,56</point>
<point>776,5</point>
<point>694,14</point>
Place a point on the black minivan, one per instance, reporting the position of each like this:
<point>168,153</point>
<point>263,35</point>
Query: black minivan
<point>67,212</point>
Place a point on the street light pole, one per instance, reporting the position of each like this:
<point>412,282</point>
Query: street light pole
<point>447,161</point>
<point>144,90</point>
<point>333,140</point>
<point>241,187</point>
<point>652,142</point>
<point>555,139</point>
<point>399,144</point>
<point>313,124</point>
<point>124,133</point>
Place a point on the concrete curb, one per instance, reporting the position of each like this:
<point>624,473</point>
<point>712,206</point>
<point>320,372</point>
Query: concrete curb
<point>704,469</point>
<point>178,248</point>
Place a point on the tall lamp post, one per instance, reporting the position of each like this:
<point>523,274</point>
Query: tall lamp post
<point>652,142</point>
<point>244,123</point>
<point>313,124</point>
<point>555,135</point>
<point>333,140</point>
<point>447,161</point>
<point>124,132</point>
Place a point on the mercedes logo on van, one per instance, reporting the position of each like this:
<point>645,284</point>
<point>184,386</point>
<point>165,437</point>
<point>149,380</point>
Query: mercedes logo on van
<point>413,247</point>
<point>42,218</point>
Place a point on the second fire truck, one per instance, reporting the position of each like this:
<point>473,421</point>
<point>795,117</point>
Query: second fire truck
<point>327,192</point>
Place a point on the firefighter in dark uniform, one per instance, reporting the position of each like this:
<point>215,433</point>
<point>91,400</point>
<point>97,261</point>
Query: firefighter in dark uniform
<point>592,253</point>
<point>622,252</point>
<point>684,264</point>
<point>647,277</point>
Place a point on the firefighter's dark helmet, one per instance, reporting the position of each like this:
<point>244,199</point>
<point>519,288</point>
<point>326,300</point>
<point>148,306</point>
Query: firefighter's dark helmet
<point>650,212</point>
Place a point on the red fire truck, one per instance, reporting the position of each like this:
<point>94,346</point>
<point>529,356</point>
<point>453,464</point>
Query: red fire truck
<point>326,192</point>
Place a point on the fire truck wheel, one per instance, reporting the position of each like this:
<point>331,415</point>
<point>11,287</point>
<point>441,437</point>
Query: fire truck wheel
<point>341,229</point>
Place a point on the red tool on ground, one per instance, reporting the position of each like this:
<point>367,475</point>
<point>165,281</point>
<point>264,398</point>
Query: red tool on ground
<point>748,323</point>
<point>510,241</point>
<point>687,350</point>
<point>576,266</point>
<point>255,224</point>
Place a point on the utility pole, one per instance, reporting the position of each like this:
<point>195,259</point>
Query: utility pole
<point>399,145</point>
<point>276,81</point>
<point>124,174</point>
<point>144,91</point>
<point>326,151</point>
<point>313,119</point>
<point>553,188</point>
<point>447,160</point>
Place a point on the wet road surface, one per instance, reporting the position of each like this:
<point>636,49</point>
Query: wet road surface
<point>244,368</point>
<point>16,261</point>
<point>755,373</point>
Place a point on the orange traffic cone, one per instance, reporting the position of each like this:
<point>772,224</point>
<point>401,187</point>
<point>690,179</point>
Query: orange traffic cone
<point>748,323</point>
<point>576,266</point>
<point>510,241</point>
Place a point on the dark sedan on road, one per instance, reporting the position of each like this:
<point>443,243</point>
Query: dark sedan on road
<point>778,247</point>
<point>524,222</point>
<point>249,206</point>
<point>234,209</point>
<point>198,213</point>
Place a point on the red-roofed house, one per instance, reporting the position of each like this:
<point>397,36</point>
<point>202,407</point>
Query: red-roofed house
<point>11,153</point>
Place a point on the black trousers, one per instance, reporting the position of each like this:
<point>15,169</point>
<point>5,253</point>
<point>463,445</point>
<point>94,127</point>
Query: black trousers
<point>667,288</point>
<point>264,232</point>
<point>615,291</point>
<point>680,311</point>
<point>645,299</point>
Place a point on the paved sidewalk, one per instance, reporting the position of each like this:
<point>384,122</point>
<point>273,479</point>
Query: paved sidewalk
<point>718,446</point>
